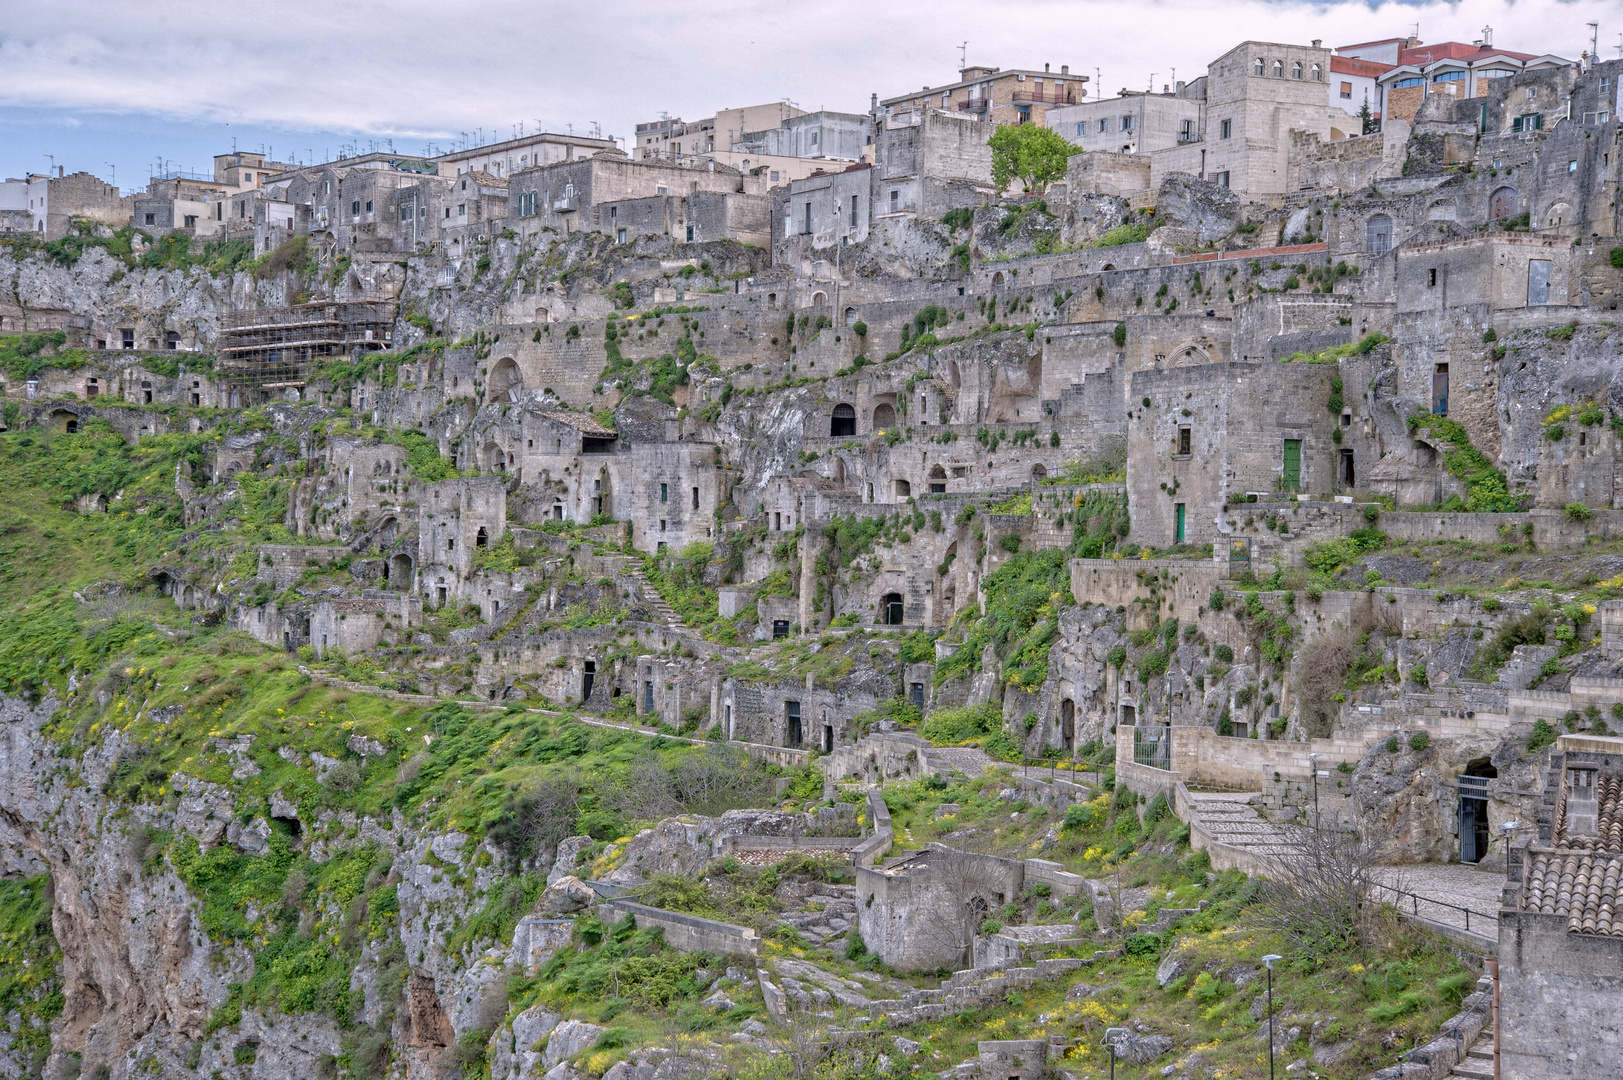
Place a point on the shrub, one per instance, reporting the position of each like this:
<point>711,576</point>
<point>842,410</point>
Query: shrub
<point>1224,653</point>
<point>1577,511</point>
<point>1541,736</point>
<point>859,328</point>
<point>1392,744</point>
<point>1119,335</point>
<point>1419,741</point>
<point>1490,335</point>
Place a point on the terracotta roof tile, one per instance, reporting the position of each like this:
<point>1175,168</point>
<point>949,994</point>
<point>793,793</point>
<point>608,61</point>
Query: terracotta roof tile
<point>1581,886</point>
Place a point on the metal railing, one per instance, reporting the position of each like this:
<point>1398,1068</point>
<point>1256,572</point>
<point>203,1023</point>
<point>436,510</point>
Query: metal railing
<point>1415,900</point>
<point>1039,97</point>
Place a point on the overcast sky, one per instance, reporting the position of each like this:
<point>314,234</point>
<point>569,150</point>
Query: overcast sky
<point>107,86</point>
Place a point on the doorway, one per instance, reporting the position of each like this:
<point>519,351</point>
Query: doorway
<point>1293,464</point>
<point>1348,477</point>
<point>586,681</point>
<point>791,710</point>
<point>1439,390</point>
<point>891,609</point>
<point>1067,723</point>
<point>1473,810</point>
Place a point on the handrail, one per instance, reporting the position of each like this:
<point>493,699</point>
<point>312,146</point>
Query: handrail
<point>1417,899</point>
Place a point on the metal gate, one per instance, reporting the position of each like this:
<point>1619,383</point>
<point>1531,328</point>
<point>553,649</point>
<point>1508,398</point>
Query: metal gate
<point>1474,834</point>
<point>1152,746</point>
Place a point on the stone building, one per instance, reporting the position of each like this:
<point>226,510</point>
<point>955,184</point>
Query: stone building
<point>583,195</point>
<point>1560,930</point>
<point>1213,431</point>
<point>48,204</point>
<point>928,161</point>
<point>996,95</point>
<point>457,519</point>
<point>1136,122</point>
<point>821,211</point>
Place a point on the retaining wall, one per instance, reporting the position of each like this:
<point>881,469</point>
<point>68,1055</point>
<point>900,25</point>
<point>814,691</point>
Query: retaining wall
<point>686,933</point>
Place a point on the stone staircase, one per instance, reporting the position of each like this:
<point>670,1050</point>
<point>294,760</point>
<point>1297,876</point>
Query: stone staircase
<point>651,597</point>
<point>1232,819</point>
<point>973,988</point>
<point>1478,1061</point>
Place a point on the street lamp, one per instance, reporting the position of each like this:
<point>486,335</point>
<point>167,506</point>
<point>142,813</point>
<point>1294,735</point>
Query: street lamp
<point>1311,759</point>
<point>1268,962</point>
<point>1110,1035</point>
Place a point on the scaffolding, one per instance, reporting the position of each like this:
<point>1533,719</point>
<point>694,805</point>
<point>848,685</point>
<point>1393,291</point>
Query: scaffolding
<point>275,348</point>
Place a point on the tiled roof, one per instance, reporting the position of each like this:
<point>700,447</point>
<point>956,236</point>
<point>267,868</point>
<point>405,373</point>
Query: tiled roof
<point>1608,818</point>
<point>1581,886</point>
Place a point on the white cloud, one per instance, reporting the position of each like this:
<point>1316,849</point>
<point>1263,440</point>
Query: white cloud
<point>416,71</point>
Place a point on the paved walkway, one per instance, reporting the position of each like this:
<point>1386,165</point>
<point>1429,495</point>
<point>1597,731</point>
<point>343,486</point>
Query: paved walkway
<point>1461,886</point>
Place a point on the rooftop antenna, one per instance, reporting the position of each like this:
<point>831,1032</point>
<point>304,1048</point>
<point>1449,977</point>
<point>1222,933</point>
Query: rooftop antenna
<point>1594,42</point>
<point>963,56</point>
<point>1150,89</point>
<point>52,158</point>
<point>1098,83</point>
<point>1620,45</point>
<point>114,168</point>
<point>1487,37</point>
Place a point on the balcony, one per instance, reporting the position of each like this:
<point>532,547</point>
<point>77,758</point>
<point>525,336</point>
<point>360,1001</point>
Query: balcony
<point>1042,97</point>
<point>568,204</point>
<point>975,105</point>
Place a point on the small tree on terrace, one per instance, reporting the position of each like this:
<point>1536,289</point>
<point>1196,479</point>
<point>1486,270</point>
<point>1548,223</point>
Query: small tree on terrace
<point>1031,152</point>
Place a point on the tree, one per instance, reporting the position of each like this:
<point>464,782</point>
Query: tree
<point>1371,125</point>
<point>1030,152</point>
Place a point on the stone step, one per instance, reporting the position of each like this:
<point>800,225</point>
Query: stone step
<point>1473,1070</point>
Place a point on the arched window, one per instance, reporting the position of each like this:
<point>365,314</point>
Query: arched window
<point>1256,67</point>
<point>482,538</point>
<point>884,416</point>
<point>844,422</point>
<point>1380,235</point>
<point>1279,69</point>
<point>1296,70</point>
<point>850,316</point>
<point>997,280</point>
<point>1318,73</point>
<point>890,609</point>
<point>938,481</point>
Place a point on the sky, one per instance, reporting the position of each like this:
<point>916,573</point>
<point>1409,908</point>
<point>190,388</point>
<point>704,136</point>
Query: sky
<point>124,89</point>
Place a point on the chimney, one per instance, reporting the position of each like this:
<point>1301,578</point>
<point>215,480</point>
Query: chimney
<point>1065,69</point>
<point>1045,68</point>
<point>1316,42</point>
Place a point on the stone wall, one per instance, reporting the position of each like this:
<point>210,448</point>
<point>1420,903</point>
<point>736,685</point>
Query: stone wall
<point>687,933</point>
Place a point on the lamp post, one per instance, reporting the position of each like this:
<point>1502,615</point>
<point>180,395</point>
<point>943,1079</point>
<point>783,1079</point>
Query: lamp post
<point>1110,1035</point>
<point>1312,761</point>
<point>1268,962</point>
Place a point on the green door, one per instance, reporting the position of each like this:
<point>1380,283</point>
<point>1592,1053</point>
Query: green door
<point>1293,464</point>
<point>1178,536</point>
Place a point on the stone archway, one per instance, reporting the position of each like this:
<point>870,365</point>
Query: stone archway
<point>843,422</point>
<point>506,382</point>
<point>884,416</point>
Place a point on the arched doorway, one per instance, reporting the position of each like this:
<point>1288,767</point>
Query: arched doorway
<point>819,299</point>
<point>481,538</point>
<point>850,316</point>
<point>891,608</point>
<point>399,574</point>
<point>506,382</point>
<point>997,280</point>
<point>1038,472</point>
<point>844,421</point>
<point>1503,203</point>
<point>904,489</point>
<point>938,481</point>
<point>884,416</point>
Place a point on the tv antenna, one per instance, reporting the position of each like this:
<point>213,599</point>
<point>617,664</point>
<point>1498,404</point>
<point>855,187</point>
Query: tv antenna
<point>963,56</point>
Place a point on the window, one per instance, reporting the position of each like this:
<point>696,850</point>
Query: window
<point>695,498</point>
<point>661,189</point>
<point>895,200</point>
<point>773,177</point>
<point>1186,131</point>
<point>191,219</point>
<point>1184,440</point>
<point>690,234</point>
<point>1226,129</point>
<point>1279,69</point>
<point>1223,179</point>
<point>664,493</point>
<point>1346,90</point>
<point>405,211</point>
<point>152,219</point>
<point>1572,167</point>
<point>1528,122</point>
<point>1126,123</point>
<point>1318,73</point>
<point>369,206</point>
<point>1448,76</point>
<point>1405,83</point>
<point>461,209</point>
<point>1296,70</point>
<point>806,224</point>
<point>780,628</point>
<point>1081,128</point>
<point>355,207</point>
<point>620,236</point>
<point>1104,126</point>
<point>853,211</point>
<point>1431,281</point>
<point>1256,66</point>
